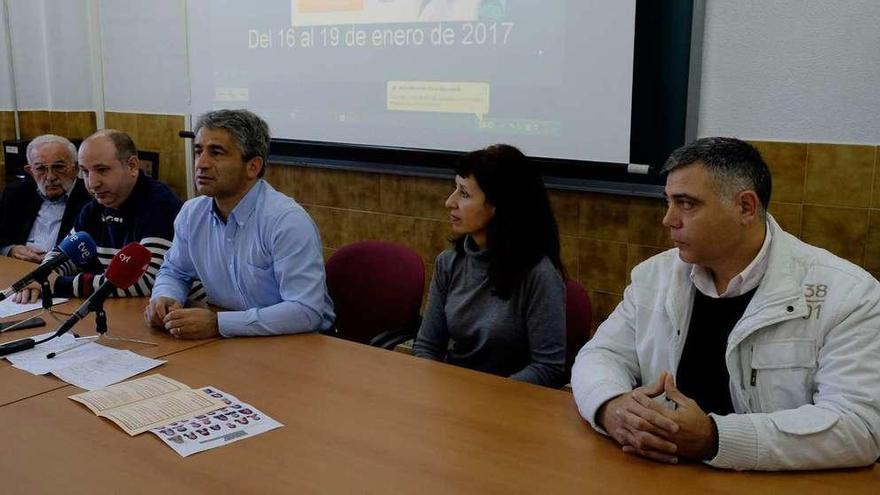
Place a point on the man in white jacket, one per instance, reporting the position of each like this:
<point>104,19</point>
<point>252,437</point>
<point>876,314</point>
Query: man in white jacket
<point>742,347</point>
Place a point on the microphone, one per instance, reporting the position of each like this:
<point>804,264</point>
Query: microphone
<point>17,346</point>
<point>126,267</point>
<point>129,264</point>
<point>78,247</point>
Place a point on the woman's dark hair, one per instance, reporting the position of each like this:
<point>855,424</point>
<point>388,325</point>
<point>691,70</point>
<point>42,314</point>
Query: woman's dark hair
<point>523,229</point>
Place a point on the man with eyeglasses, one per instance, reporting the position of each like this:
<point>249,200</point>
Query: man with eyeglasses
<point>36,214</point>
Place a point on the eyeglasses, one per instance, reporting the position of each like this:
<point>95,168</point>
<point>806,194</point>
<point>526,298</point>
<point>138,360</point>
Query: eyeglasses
<point>44,168</point>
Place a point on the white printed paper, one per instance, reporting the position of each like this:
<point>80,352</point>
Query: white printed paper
<point>35,361</point>
<point>38,353</point>
<point>10,308</point>
<point>106,370</point>
<point>232,423</point>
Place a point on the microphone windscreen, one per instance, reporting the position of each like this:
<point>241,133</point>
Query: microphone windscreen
<point>128,265</point>
<point>79,247</point>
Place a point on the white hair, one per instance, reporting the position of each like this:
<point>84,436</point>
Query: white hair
<point>50,138</point>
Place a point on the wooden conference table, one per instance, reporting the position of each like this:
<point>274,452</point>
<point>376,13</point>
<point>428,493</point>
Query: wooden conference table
<point>124,319</point>
<point>357,419</point>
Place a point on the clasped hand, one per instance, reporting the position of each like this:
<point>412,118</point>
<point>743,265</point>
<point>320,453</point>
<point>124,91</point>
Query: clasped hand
<point>646,428</point>
<point>182,323</point>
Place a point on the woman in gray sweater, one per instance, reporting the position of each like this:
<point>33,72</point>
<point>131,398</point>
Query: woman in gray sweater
<point>498,293</point>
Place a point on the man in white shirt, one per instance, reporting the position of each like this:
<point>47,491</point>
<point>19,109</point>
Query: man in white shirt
<point>742,347</point>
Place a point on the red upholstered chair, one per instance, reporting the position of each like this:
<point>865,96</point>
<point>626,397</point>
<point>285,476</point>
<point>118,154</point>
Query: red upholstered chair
<point>376,289</point>
<point>578,317</point>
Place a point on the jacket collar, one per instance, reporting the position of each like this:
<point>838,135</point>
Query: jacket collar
<point>778,290</point>
<point>780,295</point>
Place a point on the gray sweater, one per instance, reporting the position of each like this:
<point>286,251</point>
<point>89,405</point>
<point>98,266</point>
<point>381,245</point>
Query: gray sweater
<point>522,337</point>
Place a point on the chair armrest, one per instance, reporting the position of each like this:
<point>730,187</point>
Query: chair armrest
<point>389,339</point>
<point>406,347</point>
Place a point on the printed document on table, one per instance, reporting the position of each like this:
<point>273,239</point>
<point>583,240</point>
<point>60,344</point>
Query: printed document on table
<point>89,366</point>
<point>129,392</point>
<point>10,308</point>
<point>35,360</point>
<point>106,370</point>
<point>30,355</point>
<point>145,403</point>
<point>236,421</point>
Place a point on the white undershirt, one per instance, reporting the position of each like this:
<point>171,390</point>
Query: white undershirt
<point>745,281</point>
<point>47,224</point>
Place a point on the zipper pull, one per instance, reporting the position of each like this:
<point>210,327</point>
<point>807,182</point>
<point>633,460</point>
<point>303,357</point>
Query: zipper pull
<point>754,380</point>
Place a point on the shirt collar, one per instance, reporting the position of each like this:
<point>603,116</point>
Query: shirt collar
<point>245,207</point>
<point>742,283</point>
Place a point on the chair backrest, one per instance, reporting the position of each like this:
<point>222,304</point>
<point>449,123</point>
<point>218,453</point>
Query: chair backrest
<point>578,318</point>
<point>376,286</point>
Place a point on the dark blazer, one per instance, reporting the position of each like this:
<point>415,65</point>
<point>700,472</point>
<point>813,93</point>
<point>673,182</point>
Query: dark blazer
<point>20,204</point>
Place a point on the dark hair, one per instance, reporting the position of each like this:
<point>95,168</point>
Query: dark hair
<point>735,166</point>
<point>248,130</point>
<point>523,229</point>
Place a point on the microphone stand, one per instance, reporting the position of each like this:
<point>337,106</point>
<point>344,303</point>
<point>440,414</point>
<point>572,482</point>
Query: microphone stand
<point>46,295</point>
<point>101,325</point>
<point>101,329</point>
